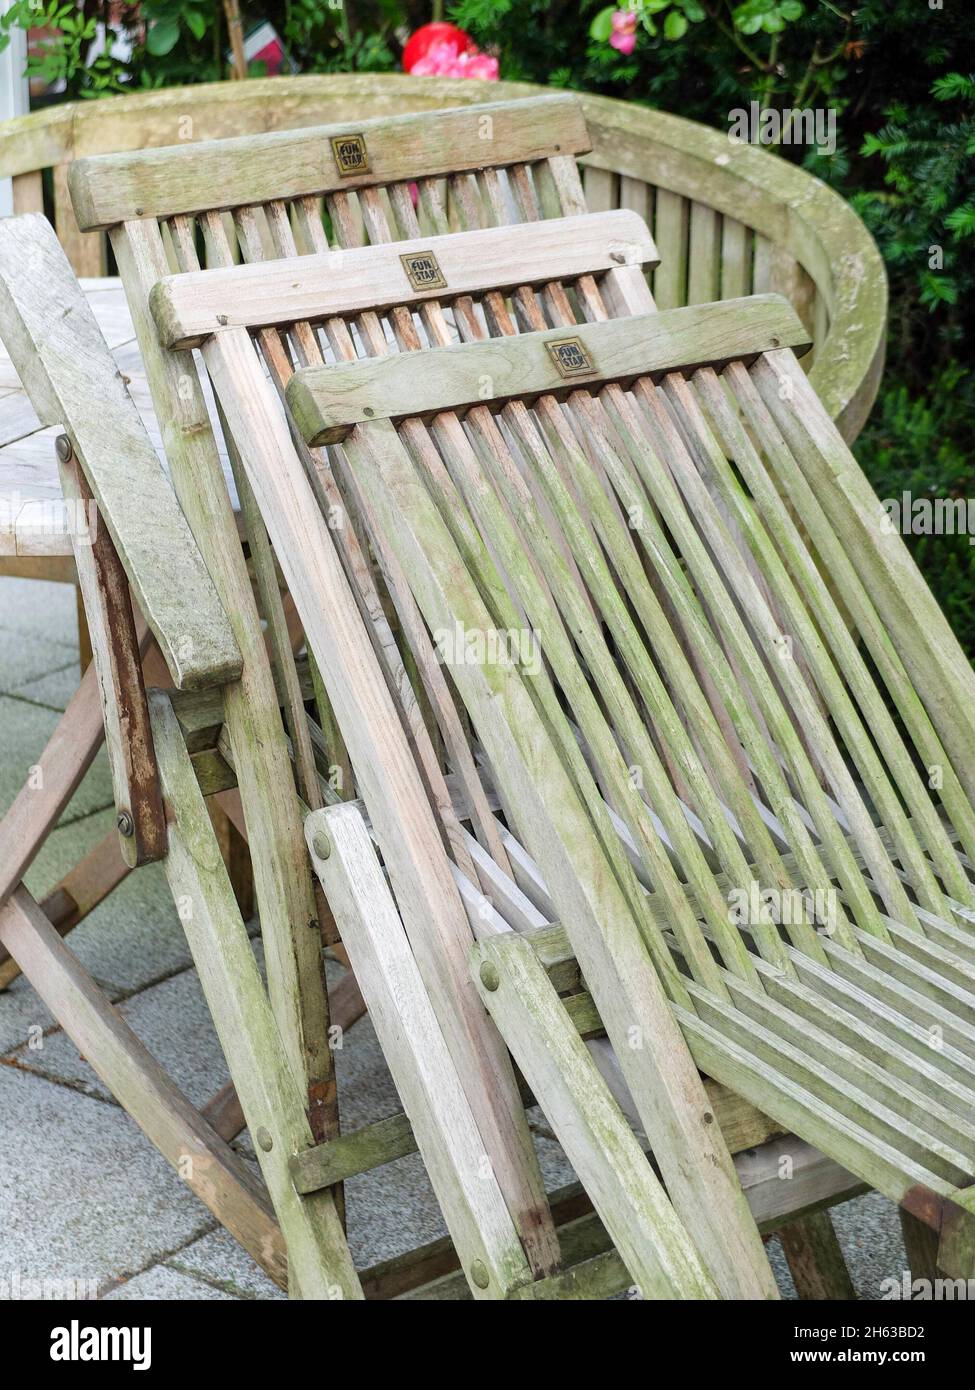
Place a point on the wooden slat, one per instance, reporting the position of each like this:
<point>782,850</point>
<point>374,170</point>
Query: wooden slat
<point>187,308</point>
<point>328,403</point>
<point>406,1025</point>
<point>736,277</point>
<point>704,249</point>
<point>670,234</point>
<point>196,177</point>
<point>701,1183</point>
<point>596,1138</point>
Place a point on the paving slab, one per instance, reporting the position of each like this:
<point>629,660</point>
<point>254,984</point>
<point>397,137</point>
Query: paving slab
<point>54,689</point>
<point>164,1283</point>
<point>83,1194</point>
<point>219,1259</point>
<point>38,608</point>
<point>172,1020</point>
<point>27,660</point>
<point>135,936</point>
<point>26,729</point>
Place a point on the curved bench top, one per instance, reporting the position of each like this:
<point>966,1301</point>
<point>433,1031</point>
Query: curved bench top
<point>781,201</point>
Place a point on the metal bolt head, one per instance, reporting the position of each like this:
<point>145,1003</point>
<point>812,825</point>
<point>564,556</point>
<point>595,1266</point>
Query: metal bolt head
<point>321,845</point>
<point>479,1274</point>
<point>490,978</point>
<point>124,825</point>
<point>264,1140</point>
<point>62,447</point>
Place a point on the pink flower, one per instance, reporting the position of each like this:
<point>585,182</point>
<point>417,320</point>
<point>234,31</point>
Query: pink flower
<point>443,60</point>
<point>623,36</point>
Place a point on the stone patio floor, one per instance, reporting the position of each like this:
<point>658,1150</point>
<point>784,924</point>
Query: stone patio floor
<point>83,1195</point>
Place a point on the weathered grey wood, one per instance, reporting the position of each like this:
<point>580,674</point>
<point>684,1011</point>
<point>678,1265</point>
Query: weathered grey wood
<point>446,1132</point>
<point>211,1169</point>
<point>930,651</point>
<point>271,1092</point>
<point>187,308</point>
<point>192,178</point>
<point>598,1141</point>
<point>327,402</point>
<point>252,719</point>
<point>358,1152</point>
<point>50,333</point>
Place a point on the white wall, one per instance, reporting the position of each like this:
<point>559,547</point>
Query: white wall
<point>13,95</point>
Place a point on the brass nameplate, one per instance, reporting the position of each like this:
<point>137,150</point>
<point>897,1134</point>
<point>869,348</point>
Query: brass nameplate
<point>570,357</point>
<point>350,154</point>
<point>422,271</point>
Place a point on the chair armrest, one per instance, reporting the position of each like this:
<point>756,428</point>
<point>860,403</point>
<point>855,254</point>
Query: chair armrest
<point>57,348</point>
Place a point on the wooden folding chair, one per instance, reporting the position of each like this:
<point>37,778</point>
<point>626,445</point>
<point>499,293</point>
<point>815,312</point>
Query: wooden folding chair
<point>928,1171</point>
<point>601,453</point>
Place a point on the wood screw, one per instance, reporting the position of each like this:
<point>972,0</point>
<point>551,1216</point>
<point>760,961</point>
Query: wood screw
<point>124,825</point>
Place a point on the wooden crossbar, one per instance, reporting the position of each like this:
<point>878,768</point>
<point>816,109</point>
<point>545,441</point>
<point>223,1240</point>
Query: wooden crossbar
<point>187,179</point>
<point>327,403</point>
<point>270,294</point>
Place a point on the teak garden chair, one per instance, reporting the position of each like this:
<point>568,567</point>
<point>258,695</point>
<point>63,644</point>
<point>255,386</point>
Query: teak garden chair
<point>851,1025</point>
<point>533,141</point>
<point>887,993</point>
<point>287,164</point>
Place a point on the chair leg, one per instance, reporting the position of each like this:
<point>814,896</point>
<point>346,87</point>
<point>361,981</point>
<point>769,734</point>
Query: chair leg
<point>79,892</point>
<point>920,1246</point>
<point>815,1258</point>
<point>272,1097</point>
